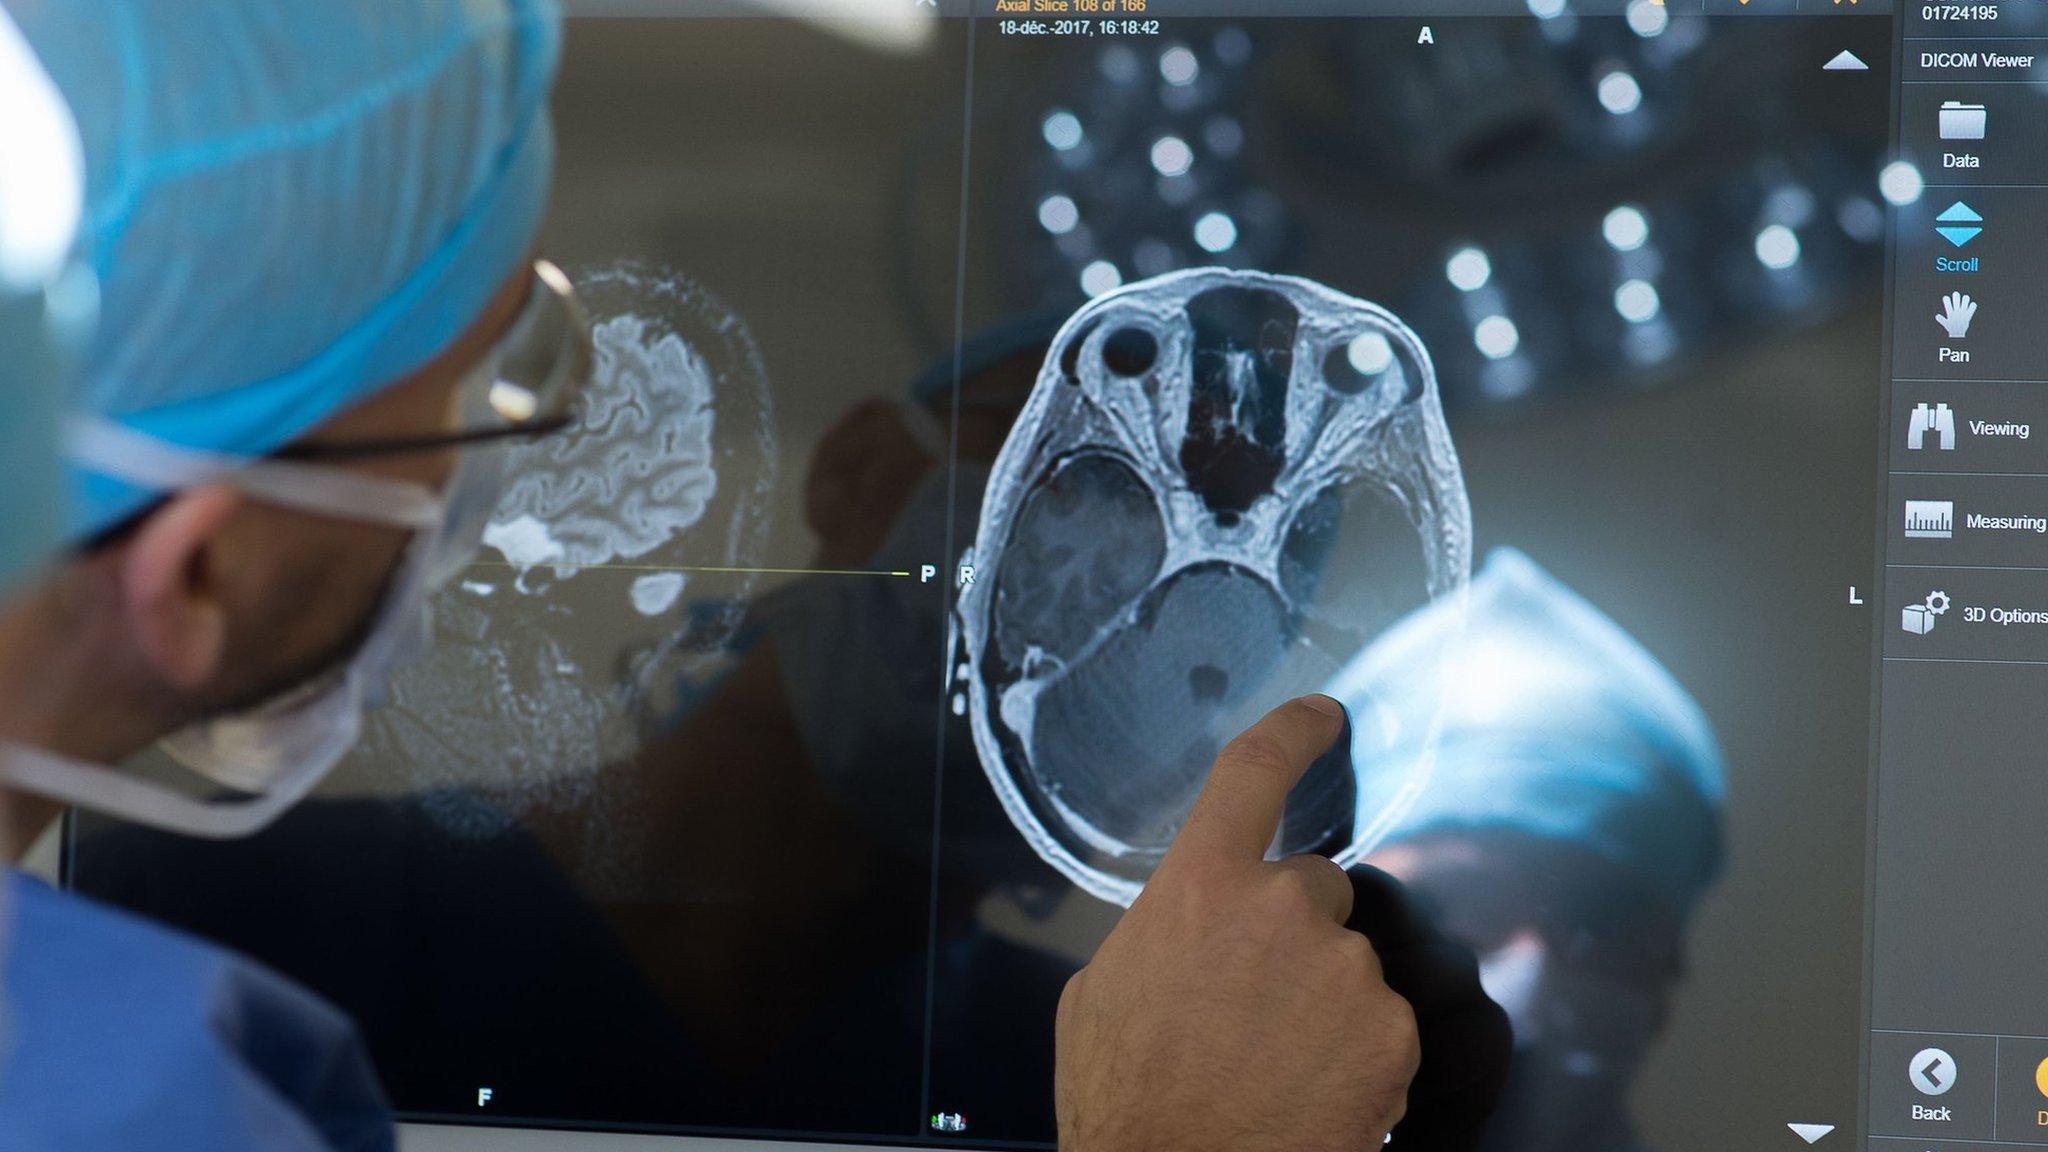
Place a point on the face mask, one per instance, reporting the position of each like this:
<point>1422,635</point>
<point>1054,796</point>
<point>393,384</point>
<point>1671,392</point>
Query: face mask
<point>286,745</point>
<point>277,751</point>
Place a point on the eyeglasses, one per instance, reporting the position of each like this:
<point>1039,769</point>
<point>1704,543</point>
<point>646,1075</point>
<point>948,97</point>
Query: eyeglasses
<point>544,366</point>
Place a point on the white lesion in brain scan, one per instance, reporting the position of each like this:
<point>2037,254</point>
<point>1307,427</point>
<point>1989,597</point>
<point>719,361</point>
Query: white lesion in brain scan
<point>1225,487</point>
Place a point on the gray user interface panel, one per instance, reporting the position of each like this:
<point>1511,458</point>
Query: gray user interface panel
<point>1959,1041</point>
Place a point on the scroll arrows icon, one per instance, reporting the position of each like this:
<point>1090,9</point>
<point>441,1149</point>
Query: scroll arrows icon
<point>1958,223</point>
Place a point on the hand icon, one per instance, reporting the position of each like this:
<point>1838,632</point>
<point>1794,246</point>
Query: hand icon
<point>1957,312</point>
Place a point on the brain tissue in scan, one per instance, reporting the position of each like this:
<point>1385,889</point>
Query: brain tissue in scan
<point>1225,486</point>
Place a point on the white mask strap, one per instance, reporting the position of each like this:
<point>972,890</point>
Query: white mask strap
<point>111,792</point>
<point>115,450</point>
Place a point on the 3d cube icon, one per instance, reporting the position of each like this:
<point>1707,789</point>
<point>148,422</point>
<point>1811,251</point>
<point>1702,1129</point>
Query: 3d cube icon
<point>1917,619</point>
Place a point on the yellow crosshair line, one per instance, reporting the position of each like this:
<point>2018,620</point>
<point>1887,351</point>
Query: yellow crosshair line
<point>691,568</point>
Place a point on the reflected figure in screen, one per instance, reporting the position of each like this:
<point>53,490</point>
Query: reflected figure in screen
<point>1573,821</point>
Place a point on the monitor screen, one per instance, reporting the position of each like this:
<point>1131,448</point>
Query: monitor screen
<point>1001,402</point>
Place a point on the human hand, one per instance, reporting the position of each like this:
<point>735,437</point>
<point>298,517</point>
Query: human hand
<point>1231,1008</point>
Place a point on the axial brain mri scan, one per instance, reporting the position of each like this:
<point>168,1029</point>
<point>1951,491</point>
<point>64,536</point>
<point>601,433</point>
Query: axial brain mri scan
<point>1223,486</point>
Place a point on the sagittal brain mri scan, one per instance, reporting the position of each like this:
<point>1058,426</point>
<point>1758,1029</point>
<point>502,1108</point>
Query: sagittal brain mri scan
<point>574,634</point>
<point>1224,486</point>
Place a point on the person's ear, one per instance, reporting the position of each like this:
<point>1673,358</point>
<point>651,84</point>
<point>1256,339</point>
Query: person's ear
<point>173,599</point>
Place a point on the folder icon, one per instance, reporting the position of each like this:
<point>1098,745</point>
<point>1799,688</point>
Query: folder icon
<point>1960,121</point>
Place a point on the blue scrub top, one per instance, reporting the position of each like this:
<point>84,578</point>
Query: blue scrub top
<point>121,1034</point>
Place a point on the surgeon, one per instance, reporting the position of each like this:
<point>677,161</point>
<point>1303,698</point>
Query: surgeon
<point>1572,823</point>
<point>310,230</point>
<point>321,324</point>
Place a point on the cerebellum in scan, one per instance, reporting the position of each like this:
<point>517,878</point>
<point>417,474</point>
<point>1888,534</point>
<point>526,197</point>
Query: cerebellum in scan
<point>1225,487</point>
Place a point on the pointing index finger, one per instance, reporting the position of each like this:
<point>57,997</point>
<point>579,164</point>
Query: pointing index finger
<point>1240,807</point>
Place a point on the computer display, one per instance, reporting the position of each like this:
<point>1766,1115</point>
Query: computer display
<point>1622,406</point>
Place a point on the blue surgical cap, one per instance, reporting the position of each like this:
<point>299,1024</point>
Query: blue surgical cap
<point>1552,723</point>
<point>290,205</point>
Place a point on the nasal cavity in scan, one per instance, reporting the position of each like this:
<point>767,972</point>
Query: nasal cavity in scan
<point>1237,413</point>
